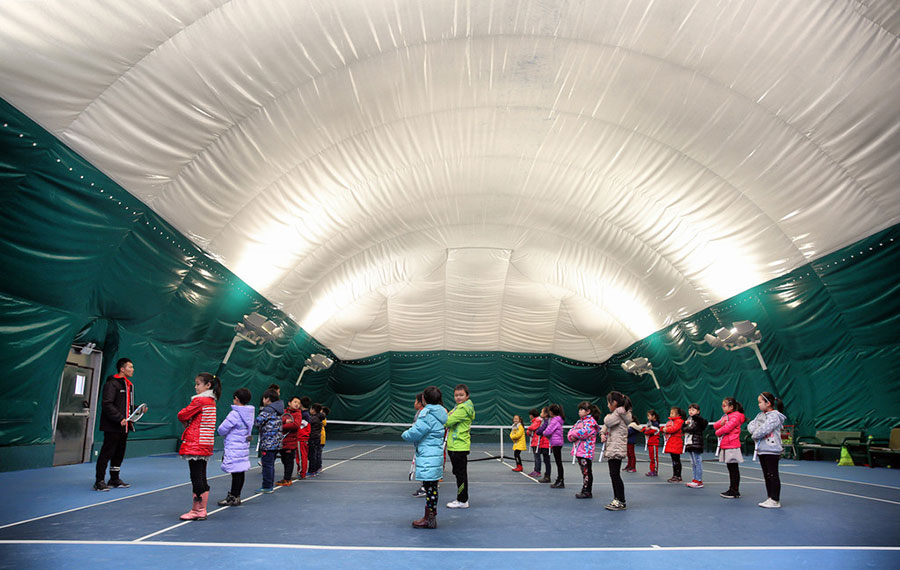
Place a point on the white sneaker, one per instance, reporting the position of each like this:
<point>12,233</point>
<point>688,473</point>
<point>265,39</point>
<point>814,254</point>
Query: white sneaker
<point>457,505</point>
<point>770,504</point>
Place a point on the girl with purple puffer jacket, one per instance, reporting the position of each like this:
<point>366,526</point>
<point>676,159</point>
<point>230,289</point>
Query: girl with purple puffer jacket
<point>236,431</point>
<point>584,435</point>
<point>553,431</point>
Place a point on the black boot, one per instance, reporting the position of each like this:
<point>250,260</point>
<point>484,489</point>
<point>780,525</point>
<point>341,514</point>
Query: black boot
<point>584,494</point>
<point>230,501</point>
<point>545,479</point>
<point>558,485</point>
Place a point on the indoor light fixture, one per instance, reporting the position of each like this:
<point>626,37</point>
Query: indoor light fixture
<point>316,363</point>
<point>255,329</point>
<point>640,366</point>
<point>742,334</point>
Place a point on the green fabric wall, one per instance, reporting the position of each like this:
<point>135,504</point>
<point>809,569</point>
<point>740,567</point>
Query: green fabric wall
<point>831,340</point>
<point>82,260</point>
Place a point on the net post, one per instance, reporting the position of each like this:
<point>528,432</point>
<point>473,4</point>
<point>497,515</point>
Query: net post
<point>501,444</point>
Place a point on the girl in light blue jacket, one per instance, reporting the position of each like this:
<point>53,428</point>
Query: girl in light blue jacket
<point>765,429</point>
<point>428,436</point>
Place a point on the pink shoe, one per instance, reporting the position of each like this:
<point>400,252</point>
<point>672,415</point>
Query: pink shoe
<point>198,509</point>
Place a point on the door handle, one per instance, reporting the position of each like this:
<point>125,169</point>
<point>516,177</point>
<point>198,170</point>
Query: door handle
<point>75,414</point>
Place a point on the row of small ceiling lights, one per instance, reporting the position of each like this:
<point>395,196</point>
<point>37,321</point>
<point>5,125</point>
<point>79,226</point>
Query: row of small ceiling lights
<point>383,357</point>
<point>191,250</point>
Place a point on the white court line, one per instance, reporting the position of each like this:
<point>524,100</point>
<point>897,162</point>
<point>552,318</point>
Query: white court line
<point>830,478</point>
<point>519,472</point>
<point>108,502</point>
<point>266,545</point>
<point>341,447</point>
<point>783,484</point>
<point>250,498</point>
<point>135,495</point>
<point>352,458</point>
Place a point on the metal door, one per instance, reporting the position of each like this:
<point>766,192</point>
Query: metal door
<point>73,413</point>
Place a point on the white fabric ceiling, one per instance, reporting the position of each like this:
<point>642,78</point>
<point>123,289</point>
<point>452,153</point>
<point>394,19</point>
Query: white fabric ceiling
<point>527,175</point>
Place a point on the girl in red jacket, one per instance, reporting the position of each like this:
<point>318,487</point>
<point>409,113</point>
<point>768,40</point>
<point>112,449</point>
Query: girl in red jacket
<point>729,429</point>
<point>199,419</point>
<point>537,442</point>
<point>674,441</point>
<point>651,432</point>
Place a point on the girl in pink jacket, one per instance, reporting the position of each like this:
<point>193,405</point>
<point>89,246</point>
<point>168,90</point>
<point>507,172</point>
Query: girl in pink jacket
<point>584,435</point>
<point>729,429</point>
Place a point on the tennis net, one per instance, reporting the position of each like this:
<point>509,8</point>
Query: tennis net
<point>380,441</point>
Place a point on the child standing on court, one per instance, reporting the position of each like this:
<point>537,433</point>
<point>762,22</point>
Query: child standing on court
<point>631,466</point>
<point>765,429</point>
<point>292,420</point>
<point>729,429</point>
<point>303,436</point>
<point>584,435</point>
<point>325,411</point>
<point>693,444</point>
<point>199,419</point>
<point>536,440</point>
<point>427,433</point>
<point>675,441</point>
<point>459,441</point>
<point>269,422</point>
<point>517,435</point>
<point>236,432</point>
<point>651,432</point>
<point>614,434</point>
<point>315,440</point>
<point>554,432</point>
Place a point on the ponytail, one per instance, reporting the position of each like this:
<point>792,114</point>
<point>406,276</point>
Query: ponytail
<point>736,406</point>
<point>595,412</point>
<point>773,401</point>
<point>620,399</point>
<point>213,382</point>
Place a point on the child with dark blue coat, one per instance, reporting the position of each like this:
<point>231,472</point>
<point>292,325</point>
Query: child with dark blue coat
<point>631,466</point>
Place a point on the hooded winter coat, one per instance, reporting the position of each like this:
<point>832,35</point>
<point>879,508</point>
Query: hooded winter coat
<point>553,430</point>
<point>537,440</point>
<point>675,442</point>
<point>652,432</point>
<point>293,421</point>
<point>584,435</point>
<point>269,422</point>
<point>615,427</point>
<point>765,429</point>
<point>459,424</point>
<point>199,418</point>
<point>427,433</point>
<point>236,430</point>
<point>729,429</point>
<point>693,430</point>
<point>517,435</point>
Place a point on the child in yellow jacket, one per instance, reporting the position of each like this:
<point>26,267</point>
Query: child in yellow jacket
<point>517,435</point>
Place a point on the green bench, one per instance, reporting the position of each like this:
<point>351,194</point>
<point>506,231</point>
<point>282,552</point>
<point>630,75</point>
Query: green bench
<point>890,448</point>
<point>826,440</point>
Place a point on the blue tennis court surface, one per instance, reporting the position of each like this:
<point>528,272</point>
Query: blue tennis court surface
<point>357,513</point>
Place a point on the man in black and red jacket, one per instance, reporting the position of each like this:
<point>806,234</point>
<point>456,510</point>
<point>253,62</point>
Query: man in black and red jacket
<point>117,404</point>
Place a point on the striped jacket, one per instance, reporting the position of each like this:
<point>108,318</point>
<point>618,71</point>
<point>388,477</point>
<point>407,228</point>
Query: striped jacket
<point>199,418</point>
